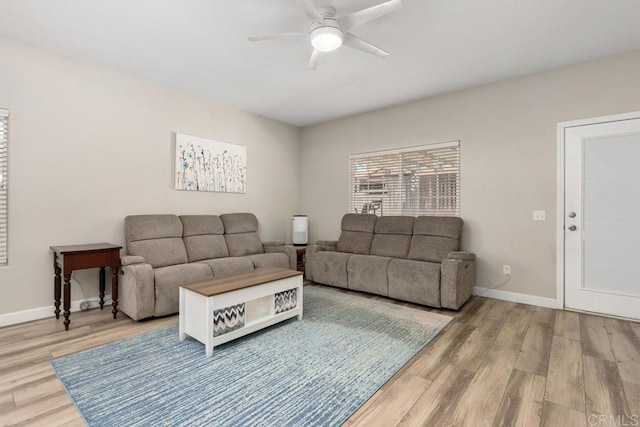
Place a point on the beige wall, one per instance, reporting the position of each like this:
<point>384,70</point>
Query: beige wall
<point>89,146</point>
<point>508,155</point>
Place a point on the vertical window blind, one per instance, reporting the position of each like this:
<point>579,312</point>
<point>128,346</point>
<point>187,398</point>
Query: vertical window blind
<point>4,175</point>
<point>414,181</point>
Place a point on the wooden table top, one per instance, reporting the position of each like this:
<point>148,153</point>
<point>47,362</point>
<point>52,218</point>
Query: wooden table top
<point>233,282</point>
<point>92,247</point>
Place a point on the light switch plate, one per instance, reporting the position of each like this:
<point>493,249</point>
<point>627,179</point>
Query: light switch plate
<point>539,215</point>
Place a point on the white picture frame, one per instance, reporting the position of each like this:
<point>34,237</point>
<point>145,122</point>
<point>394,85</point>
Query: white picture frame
<point>206,165</point>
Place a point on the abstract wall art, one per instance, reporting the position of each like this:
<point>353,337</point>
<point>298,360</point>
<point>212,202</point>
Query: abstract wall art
<point>207,165</point>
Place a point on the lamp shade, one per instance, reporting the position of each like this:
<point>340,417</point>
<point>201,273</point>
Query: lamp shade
<point>326,39</point>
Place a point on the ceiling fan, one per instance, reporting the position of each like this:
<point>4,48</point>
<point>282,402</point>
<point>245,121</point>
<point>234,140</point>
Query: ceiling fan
<point>328,32</point>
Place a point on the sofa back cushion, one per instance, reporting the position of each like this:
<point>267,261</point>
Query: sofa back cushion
<point>157,238</point>
<point>434,237</point>
<point>204,237</point>
<point>357,233</point>
<point>392,236</point>
<point>241,234</point>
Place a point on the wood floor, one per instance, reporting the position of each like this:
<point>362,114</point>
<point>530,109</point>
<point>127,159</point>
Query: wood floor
<point>498,363</point>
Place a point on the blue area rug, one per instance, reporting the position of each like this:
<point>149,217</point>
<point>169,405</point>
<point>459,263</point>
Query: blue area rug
<point>317,371</point>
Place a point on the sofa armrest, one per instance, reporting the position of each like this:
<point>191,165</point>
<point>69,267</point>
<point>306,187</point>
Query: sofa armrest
<point>136,290</point>
<point>278,246</point>
<point>321,246</point>
<point>131,259</point>
<point>327,245</point>
<point>461,256</point>
<point>308,269</point>
<point>458,277</point>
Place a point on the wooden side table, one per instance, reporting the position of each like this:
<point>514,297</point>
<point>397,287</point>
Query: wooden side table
<point>300,252</point>
<point>78,257</point>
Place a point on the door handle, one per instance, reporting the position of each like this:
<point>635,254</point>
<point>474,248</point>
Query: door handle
<point>572,228</point>
<point>572,214</point>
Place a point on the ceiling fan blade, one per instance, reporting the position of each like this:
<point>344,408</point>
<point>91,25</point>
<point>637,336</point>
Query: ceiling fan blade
<point>357,43</point>
<point>275,36</point>
<point>361,17</point>
<point>311,11</point>
<point>313,61</point>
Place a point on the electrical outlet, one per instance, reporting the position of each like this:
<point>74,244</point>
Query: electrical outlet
<point>506,270</point>
<point>539,215</point>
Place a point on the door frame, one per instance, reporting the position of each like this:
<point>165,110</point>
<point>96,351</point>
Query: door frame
<point>560,214</point>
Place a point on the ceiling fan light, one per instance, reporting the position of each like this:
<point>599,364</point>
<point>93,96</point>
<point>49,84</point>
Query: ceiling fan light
<point>326,39</point>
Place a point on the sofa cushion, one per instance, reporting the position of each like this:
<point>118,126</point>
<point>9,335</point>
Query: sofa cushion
<point>368,273</point>
<point>156,238</point>
<point>273,259</point>
<point>228,265</point>
<point>434,237</point>
<point>355,242</point>
<point>446,226</point>
<point>392,236</point>
<point>197,225</point>
<point>244,244</point>
<point>160,252</point>
<point>359,222</point>
<point>395,225</point>
<point>415,281</point>
<point>241,234</point>
<point>357,233</point>
<point>203,237</point>
<point>146,227</point>
<point>239,222</point>
<point>330,268</point>
<point>168,280</point>
<point>205,247</point>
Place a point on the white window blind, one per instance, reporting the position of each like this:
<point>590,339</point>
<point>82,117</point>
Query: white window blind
<point>413,181</point>
<point>4,196</point>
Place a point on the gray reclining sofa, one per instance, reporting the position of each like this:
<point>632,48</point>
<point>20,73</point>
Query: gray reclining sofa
<point>165,251</point>
<point>415,259</point>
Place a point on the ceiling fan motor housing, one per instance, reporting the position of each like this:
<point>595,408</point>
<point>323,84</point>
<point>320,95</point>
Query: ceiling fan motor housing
<point>326,36</point>
<point>327,33</point>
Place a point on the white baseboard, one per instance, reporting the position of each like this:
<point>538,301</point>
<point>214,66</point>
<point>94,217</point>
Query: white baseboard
<point>516,297</point>
<point>44,312</point>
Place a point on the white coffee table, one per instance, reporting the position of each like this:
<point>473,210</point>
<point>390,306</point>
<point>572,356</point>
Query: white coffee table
<point>215,311</point>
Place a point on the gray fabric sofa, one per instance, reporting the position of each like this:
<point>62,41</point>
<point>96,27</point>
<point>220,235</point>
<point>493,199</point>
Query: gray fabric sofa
<point>415,259</point>
<point>165,251</point>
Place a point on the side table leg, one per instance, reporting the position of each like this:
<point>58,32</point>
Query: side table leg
<point>102,282</point>
<point>114,291</point>
<point>67,300</point>
<point>57,289</point>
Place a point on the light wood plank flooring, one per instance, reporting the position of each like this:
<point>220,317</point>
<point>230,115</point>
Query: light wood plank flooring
<point>497,364</point>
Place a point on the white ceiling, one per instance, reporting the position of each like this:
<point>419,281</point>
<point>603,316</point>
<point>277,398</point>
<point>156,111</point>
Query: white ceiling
<point>436,46</point>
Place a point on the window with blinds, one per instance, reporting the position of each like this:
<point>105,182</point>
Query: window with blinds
<point>4,196</point>
<point>413,181</point>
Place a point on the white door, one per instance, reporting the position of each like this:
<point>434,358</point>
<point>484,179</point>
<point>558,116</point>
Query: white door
<point>602,218</point>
